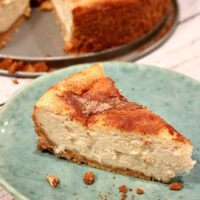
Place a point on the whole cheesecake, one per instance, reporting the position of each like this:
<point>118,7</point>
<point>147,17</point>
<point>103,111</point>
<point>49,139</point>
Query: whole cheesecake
<point>84,118</point>
<point>90,25</point>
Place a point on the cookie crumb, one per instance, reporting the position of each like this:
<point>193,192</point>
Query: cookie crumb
<point>123,189</point>
<point>124,195</point>
<point>132,197</point>
<point>132,88</point>
<point>88,178</point>
<point>130,189</point>
<point>180,197</point>
<point>139,191</point>
<point>15,81</point>
<point>74,193</point>
<point>48,55</point>
<point>53,180</point>
<point>13,66</point>
<point>175,186</point>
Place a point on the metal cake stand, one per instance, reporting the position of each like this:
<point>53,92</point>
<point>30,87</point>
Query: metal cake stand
<point>40,35</point>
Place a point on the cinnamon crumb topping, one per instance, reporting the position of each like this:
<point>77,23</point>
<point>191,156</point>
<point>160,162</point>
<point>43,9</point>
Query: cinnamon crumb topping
<point>175,186</point>
<point>88,178</point>
<point>139,191</point>
<point>53,180</point>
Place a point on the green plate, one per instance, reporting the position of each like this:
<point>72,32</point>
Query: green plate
<point>22,167</point>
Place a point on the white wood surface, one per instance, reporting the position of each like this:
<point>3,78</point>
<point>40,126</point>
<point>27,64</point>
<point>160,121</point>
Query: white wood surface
<point>180,53</point>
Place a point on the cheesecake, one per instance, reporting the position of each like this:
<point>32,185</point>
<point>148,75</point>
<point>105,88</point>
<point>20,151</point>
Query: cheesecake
<point>89,25</point>
<point>95,25</point>
<point>12,13</point>
<point>85,119</point>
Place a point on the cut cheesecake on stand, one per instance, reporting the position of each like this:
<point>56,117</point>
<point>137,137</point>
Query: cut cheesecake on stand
<point>12,13</point>
<point>95,25</point>
<point>89,25</point>
<point>84,118</point>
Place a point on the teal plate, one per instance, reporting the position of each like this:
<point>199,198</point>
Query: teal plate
<point>22,167</point>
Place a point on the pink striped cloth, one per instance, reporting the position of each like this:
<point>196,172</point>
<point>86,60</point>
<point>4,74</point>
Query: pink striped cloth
<point>5,195</point>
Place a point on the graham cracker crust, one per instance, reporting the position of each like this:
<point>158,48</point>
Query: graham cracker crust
<point>45,144</point>
<point>6,36</point>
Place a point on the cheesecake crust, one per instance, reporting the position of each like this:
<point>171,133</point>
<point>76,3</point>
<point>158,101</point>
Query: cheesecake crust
<point>6,36</point>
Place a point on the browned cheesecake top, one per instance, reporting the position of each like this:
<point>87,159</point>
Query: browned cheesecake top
<point>93,100</point>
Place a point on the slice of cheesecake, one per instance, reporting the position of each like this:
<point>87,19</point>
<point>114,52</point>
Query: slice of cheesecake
<point>84,118</point>
<point>12,13</point>
<point>95,25</point>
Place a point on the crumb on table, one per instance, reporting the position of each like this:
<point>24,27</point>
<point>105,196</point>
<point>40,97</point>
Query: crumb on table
<point>88,178</point>
<point>13,66</point>
<point>139,191</point>
<point>53,180</point>
<point>15,81</point>
<point>175,186</point>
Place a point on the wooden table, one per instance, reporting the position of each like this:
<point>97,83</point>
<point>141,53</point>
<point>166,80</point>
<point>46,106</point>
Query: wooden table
<point>181,53</point>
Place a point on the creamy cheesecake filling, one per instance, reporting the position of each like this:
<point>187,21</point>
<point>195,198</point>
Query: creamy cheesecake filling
<point>150,155</point>
<point>10,11</point>
<point>63,11</point>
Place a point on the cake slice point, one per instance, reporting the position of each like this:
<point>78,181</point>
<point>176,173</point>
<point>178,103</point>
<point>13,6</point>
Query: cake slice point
<point>84,118</point>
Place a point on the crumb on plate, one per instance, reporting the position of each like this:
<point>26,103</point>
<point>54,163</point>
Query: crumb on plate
<point>139,191</point>
<point>175,186</point>
<point>88,178</point>
<point>53,180</point>
<point>123,189</point>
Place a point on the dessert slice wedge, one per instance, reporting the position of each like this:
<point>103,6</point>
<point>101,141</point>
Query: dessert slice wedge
<point>84,118</point>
